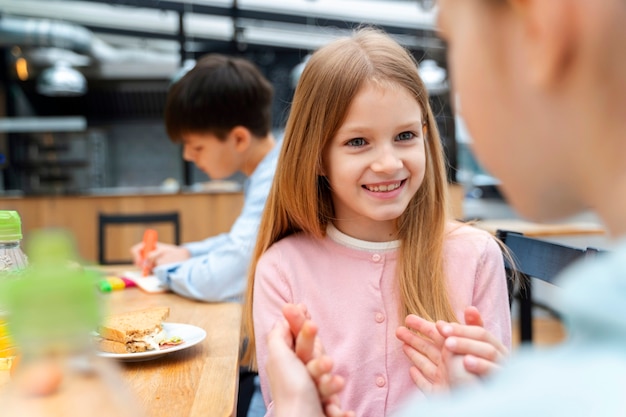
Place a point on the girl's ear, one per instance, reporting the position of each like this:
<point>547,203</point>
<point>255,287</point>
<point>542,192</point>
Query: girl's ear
<point>241,138</point>
<point>550,37</point>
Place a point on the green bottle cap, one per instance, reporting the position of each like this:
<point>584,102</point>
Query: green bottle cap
<point>10,226</point>
<point>54,304</point>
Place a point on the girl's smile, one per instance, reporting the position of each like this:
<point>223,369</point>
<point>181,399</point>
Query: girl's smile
<point>385,190</point>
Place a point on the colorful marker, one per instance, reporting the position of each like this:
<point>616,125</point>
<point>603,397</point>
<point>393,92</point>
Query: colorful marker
<point>150,238</point>
<point>109,284</point>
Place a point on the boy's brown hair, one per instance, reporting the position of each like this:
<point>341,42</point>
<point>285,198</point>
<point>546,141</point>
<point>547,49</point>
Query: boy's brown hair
<point>218,94</point>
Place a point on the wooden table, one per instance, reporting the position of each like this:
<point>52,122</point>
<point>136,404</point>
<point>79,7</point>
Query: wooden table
<point>541,229</point>
<point>199,381</point>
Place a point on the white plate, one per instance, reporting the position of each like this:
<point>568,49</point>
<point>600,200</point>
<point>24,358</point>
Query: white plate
<point>191,335</point>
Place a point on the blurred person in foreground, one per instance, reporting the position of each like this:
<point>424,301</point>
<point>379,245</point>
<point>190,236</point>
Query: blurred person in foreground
<point>542,88</point>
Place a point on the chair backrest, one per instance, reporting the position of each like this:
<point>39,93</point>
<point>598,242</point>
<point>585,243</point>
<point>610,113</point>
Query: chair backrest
<point>534,258</point>
<point>145,220</point>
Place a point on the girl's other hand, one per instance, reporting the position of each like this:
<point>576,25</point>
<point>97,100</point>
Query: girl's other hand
<point>482,352</point>
<point>423,345</point>
<point>447,354</point>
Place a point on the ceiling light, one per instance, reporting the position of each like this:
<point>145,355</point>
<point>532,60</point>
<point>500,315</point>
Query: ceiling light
<point>61,80</point>
<point>21,69</point>
<point>434,77</point>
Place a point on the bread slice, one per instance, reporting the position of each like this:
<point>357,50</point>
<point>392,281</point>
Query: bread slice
<point>112,346</point>
<point>133,326</point>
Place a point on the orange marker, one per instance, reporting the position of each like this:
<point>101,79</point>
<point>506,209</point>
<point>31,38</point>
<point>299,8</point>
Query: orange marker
<point>150,238</point>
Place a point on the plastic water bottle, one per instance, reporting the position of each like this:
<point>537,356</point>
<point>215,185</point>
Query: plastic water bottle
<point>12,261</point>
<point>54,308</point>
<point>12,258</point>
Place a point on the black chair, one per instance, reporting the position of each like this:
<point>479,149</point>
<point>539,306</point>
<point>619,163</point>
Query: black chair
<point>534,258</point>
<point>146,219</point>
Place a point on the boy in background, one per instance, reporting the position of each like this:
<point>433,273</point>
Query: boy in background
<point>221,113</point>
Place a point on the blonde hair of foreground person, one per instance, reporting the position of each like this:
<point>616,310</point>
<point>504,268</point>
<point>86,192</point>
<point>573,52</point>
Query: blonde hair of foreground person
<point>300,198</point>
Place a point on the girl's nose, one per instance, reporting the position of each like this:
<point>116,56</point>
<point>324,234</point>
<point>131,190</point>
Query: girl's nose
<point>387,160</point>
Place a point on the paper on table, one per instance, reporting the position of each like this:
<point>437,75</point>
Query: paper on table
<point>149,283</point>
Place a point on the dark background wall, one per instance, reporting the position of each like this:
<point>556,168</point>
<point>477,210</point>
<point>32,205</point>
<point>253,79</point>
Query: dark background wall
<point>125,142</point>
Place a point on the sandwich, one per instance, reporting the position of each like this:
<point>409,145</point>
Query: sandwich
<point>135,331</point>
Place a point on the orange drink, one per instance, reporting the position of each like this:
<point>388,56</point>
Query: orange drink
<point>7,346</point>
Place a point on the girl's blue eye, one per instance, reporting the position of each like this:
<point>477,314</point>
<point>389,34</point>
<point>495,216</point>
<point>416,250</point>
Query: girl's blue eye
<point>406,136</point>
<point>356,142</point>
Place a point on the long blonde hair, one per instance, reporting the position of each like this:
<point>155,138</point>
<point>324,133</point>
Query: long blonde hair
<point>300,199</point>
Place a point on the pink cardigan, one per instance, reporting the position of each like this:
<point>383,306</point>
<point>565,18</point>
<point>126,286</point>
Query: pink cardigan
<point>348,287</point>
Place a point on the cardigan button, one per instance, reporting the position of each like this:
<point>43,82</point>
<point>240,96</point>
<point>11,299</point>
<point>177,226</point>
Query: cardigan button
<point>380,381</point>
<point>376,257</point>
<point>380,317</point>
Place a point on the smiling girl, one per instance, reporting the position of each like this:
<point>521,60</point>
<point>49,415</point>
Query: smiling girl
<point>356,225</point>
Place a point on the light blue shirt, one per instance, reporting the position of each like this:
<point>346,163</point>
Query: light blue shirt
<point>218,266</point>
<point>583,377</point>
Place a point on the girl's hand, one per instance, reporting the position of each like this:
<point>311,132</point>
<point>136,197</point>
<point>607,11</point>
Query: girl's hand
<point>423,345</point>
<point>482,352</point>
<point>449,354</point>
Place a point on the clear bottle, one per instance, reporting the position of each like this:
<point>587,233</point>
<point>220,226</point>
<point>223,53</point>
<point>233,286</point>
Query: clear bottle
<point>54,309</point>
<point>12,261</point>
<point>12,258</point>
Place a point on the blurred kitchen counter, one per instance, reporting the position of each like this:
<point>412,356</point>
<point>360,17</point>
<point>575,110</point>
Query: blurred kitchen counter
<point>205,210</point>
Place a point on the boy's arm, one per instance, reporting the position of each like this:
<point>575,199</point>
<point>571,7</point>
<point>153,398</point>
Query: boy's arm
<point>219,275</point>
<point>218,268</point>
